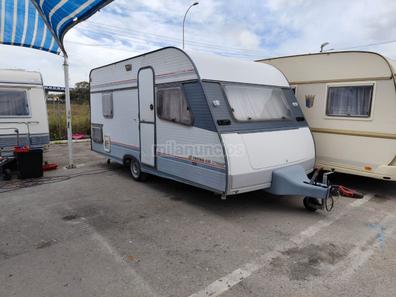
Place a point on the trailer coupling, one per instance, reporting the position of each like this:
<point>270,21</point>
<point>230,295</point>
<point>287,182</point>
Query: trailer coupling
<point>293,180</point>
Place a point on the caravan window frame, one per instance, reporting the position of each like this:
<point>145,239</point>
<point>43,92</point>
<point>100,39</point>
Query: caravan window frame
<point>27,96</point>
<point>351,84</point>
<point>230,109</point>
<point>111,97</point>
<point>184,97</point>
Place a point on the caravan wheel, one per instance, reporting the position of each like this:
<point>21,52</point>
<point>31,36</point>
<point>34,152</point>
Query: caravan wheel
<point>136,172</point>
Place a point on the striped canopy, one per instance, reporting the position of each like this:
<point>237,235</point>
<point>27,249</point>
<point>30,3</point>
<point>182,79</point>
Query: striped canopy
<point>42,24</point>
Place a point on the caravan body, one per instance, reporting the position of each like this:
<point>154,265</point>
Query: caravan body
<point>217,123</point>
<point>349,100</point>
<point>23,111</point>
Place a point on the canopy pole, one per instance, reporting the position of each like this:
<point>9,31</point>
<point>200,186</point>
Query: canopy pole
<point>68,113</point>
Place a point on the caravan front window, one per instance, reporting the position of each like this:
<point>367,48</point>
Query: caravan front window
<point>257,103</point>
<point>13,103</point>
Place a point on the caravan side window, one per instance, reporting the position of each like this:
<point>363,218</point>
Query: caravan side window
<point>349,101</point>
<point>172,106</point>
<point>13,103</point>
<point>107,105</point>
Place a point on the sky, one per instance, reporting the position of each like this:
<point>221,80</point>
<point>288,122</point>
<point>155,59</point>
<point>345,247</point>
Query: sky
<point>250,29</point>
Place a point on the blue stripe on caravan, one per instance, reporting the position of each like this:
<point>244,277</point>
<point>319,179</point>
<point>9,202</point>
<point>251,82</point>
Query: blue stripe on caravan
<point>20,22</point>
<point>132,147</point>
<point>200,176</point>
<point>192,163</point>
<point>30,25</point>
<point>9,15</point>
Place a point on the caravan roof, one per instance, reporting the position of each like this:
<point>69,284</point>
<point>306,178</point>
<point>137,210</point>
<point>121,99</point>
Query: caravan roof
<point>393,65</point>
<point>335,66</point>
<point>215,67</point>
<point>175,64</point>
<point>13,76</point>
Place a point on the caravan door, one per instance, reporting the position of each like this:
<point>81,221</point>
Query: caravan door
<point>146,116</point>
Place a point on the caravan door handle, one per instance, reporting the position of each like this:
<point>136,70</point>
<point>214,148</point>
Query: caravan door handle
<point>151,106</point>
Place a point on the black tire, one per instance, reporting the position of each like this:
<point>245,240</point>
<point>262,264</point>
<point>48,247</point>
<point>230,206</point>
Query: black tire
<point>311,204</point>
<point>136,172</point>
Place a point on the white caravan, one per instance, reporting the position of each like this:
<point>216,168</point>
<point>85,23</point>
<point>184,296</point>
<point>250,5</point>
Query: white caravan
<point>213,122</point>
<point>349,100</point>
<point>23,111</point>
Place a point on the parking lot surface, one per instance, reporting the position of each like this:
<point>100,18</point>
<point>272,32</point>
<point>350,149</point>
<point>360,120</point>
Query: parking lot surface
<point>93,231</point>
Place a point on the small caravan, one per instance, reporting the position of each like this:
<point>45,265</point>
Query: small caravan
<point>213,122</point>
<point>23,111</point>
<point>349,101</point>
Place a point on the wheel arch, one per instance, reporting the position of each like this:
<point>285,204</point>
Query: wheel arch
<point>127,158</point>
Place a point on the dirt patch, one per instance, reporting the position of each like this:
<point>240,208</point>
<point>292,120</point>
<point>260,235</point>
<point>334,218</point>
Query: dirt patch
<point>308,261</point>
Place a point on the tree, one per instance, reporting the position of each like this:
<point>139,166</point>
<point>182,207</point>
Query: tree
<point>80,93</point>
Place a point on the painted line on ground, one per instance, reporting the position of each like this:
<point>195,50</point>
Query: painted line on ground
<point>226,282</point>
<point>141,286</point>
<point>361,253</point>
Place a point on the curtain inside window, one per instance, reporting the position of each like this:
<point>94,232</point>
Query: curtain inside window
<point>172,106</point>
<point>354,101</point>
<point>107,105</point>
<point>13,103</point>
<point>257,103</point>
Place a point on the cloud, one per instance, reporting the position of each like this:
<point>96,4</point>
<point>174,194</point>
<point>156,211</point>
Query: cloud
<point>250,29</point>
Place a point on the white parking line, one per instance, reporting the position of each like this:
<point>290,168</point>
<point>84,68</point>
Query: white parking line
<point>225,283</point>
<point>360,254</point>
<point>141,287</point>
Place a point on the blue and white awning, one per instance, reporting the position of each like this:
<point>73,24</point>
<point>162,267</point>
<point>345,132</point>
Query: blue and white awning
<point>42,24</point>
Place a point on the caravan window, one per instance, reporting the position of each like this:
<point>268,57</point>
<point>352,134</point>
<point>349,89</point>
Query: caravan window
<point>349,101</point>
<point>13,103</point>
<point>107,105</point>
<point>172,106</point>
<point>257,103</point>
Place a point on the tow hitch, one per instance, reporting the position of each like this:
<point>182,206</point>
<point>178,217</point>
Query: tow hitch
<point>292,180</point>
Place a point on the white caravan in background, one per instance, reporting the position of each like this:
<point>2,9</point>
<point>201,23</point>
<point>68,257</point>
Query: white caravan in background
<point>23,111</point>
<point>213,122</point>
<point>349,101</point>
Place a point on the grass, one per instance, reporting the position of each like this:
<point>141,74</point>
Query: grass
<point>81,122</point>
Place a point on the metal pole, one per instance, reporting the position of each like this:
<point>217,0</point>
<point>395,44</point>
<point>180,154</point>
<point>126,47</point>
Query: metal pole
<point>323,45</point>
<point>68,113</point>
<point>185,15</point>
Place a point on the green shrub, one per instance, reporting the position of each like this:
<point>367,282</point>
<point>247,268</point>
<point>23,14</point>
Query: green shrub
<point>81,122</point>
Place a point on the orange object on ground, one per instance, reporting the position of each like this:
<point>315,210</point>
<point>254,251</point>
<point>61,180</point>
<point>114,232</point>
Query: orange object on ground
<point>344,191</point>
